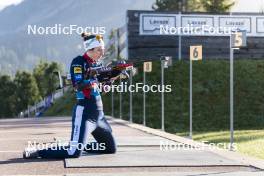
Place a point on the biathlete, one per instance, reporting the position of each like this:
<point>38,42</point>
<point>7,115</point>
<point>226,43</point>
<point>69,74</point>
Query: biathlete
<point>88,116</point>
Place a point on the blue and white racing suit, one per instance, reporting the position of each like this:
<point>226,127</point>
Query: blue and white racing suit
<point>88,116</point>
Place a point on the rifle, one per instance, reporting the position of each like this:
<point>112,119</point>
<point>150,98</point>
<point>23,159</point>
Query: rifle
<point>111,72</point>
<point>116,69</point>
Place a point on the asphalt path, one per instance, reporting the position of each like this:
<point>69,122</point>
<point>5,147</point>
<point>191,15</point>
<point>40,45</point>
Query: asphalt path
<point>139,153</point>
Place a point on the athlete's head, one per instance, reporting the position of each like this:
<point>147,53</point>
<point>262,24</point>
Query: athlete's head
<point>93,45</point>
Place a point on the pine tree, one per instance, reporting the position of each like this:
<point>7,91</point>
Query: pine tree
<point>217,6</point>
<point>26,92</point>
<point>176,5</point>
<point>7,97</point>
<point>214,6</point>
<point>47,81</point>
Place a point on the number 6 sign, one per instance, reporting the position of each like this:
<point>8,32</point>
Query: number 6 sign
<point>196,53</point>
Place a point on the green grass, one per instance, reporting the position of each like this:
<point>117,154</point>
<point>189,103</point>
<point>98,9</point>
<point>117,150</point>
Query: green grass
<point>210,97</point>
<point>62,106</point>
<point>249,142</point>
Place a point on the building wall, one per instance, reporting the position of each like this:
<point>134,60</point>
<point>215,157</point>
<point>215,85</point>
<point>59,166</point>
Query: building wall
<point>214,47</point>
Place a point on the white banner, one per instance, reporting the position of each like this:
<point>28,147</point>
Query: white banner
<point>260,24</point>
<point>199,24</point>
<point>151,24</point>
<point>240,23</point>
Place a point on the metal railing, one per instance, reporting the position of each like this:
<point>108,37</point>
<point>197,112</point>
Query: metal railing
<point>36,109</point>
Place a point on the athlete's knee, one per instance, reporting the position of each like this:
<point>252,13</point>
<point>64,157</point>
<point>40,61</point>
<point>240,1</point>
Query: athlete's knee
<point>112,150</point>
<point>110,147</point>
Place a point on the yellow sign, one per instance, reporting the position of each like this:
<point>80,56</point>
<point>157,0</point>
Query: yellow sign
<point>196,53</point>
<point>77,70</point>
<point>147,66</point>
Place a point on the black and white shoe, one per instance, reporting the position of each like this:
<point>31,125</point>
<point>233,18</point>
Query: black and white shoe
<point>30,153</point>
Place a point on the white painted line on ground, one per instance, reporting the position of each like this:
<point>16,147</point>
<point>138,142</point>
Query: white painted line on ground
<point>10,151</point>
<point>33,139</point>
<point>28,131</point>
<point>34,175</point>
